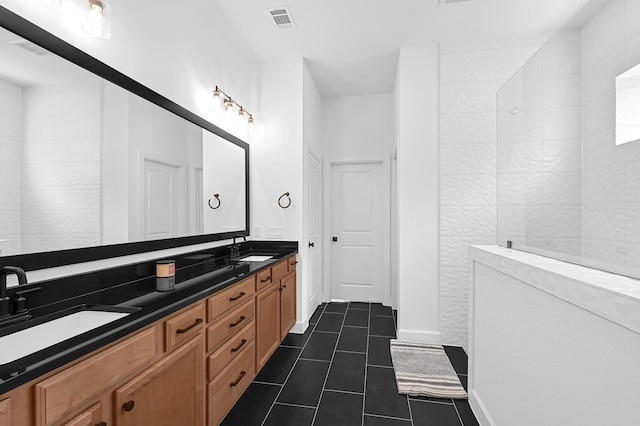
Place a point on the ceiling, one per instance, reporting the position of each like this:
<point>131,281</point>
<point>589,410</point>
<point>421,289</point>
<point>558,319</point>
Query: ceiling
<point>352,46</point>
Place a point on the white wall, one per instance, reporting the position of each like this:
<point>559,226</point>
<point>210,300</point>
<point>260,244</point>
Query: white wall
<point>611,174</point>
<point>10,101</point>
<point>574,367</point>
<point>358,126</point>
<point>60,175</point>
<point>417,115</point>
<point>471,73</point>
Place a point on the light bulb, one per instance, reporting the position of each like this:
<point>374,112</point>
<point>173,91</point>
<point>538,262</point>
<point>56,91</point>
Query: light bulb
<point>228,105</point>
<point>98,21</point>
<point>217,99</point>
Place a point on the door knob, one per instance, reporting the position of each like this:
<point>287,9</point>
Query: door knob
<point>334,239</point>
<point>128,406</point>
<point>311,244</point>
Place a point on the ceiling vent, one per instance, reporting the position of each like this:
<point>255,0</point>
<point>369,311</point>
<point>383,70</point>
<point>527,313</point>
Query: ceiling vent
<point>31,47</point>
<point>282,18</point>
<point>443,2</point>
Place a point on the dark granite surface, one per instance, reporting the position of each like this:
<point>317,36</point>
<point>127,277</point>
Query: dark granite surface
<point>128,288</point>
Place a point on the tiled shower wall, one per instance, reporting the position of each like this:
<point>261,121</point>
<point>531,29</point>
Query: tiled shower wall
<point>470,75</point>
<point>60,177</point>
<point>539,150</point>
<point>611,177</point>
<point>9,168</point>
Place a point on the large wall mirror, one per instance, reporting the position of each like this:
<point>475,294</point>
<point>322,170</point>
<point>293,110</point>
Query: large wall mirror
<point>95,165</point>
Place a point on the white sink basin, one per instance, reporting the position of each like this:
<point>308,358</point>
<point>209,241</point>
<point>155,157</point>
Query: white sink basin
<point>25,342</point>
<point>255,258</point>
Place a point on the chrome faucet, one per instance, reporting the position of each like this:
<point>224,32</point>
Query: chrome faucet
<point>5,303</point>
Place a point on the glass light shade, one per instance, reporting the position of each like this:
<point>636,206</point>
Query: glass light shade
<point>250,121</point>
<point>242,114</point>
<point>227,105</point>
<point>217,99</point>
<point>98,20</point>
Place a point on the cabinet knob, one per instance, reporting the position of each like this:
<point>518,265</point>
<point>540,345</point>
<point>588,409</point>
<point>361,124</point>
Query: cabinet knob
<point>101,424</point>
<point>128,406</point>
<point>311,244</point>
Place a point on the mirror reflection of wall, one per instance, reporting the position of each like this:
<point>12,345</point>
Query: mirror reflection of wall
<point>85,163</point>
<point>628,106</point>
<point>221,161</point>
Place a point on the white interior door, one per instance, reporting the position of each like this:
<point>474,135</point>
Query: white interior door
<point>357,229</point>
<point>314,231</point>
<point>160,200</point>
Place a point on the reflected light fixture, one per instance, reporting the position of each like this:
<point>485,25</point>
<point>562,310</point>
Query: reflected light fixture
<point>224,101</point>
<point>98,20</point>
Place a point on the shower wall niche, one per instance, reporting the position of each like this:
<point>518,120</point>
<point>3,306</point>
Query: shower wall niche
<point>565,189</point>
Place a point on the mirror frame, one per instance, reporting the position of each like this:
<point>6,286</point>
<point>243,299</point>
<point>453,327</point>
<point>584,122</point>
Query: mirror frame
<point>42,260</point>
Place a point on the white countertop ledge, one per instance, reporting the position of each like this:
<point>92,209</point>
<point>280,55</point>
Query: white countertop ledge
<point>611,296</point>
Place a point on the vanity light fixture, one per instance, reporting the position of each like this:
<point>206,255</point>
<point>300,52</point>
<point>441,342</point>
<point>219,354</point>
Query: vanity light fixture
<point>98,20</point>
<point>224,101</point>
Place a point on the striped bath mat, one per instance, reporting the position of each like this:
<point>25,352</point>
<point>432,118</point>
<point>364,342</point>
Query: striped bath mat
<point>424,370</point>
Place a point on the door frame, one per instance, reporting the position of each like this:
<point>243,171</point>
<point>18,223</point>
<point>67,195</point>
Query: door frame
<point>307,270</point>
<point>386,222</point>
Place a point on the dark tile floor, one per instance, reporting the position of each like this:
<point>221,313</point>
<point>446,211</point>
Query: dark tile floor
<point>339,373</point>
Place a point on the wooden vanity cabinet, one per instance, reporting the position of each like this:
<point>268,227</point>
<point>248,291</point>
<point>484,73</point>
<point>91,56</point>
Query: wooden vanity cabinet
<point>91,417</point>
<point>275,310</point>
<point>5,412</point>
<point>168,393</point>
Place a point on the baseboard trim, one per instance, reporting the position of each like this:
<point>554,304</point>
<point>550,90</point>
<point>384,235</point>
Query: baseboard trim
<point>299,327</point>
<point>423,336</point>
<point>480,410</point>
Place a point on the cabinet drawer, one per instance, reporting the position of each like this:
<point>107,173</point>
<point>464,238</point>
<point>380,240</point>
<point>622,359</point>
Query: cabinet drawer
<point>291,263</point>
<point>230,350</point>
<point>91,417</point>
<point>225,390</point>
<point>183,327</point>
<point>229,325</point>
<point>263,279</point>
<point>60,394</point>
<point>279,271</point>
<point>229,298</point>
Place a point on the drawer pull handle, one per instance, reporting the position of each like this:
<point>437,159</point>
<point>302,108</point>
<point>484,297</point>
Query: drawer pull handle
<point>242,293</point>
<point>184,330</point>
<point>101,424</point>
<point>242,342</point>
<point>233,324</point>
<point>242,374</point>
<point>294,263</point>
<point>264,280</point>
<point>128,406</point>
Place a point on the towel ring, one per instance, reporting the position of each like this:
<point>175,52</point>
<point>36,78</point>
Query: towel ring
<point>286,194</point>
<point>217,197</point>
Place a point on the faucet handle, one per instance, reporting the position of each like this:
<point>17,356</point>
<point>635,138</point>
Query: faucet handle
<point>20,303</point>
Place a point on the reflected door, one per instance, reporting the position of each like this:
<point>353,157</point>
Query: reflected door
<point>314,224</point>
<point>160,200</point>
<point>356,224</point>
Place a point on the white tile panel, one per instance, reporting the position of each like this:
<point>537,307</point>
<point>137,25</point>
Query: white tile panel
<point>562,189</point>
<point>561,221</point>
<point>604,33</point>
<point>455,250</point>
<point>560,91</point>
<point>562,57</point>
<point>561,123</point>
<point>528,44</point>
<point>562,156</point>
<point>461,98</point>
<point>523,157</point>
<point>631,18</point>
<point>477,159</point>
<point>468,190</point>
<point>467,129</point>
<point>604,222</point>
<point>519,221</point>
<point>520,189</point>
<point>468,221</point>
<point>632,223</point>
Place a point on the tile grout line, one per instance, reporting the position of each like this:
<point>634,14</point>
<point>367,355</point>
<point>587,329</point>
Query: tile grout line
<point>315,415</point>
<point>290,371</point>
<point>382,416</point>
<point>458,414</point>
<point>366,367</point>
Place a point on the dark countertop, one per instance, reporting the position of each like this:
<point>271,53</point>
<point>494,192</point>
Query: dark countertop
<point>198,276</point>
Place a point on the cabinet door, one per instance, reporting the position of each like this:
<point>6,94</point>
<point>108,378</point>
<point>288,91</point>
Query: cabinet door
<point>169,393</point>
<point>5,412</point>
<point>267,324</point>
<point>91,417</point>
<point>287,304</point>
